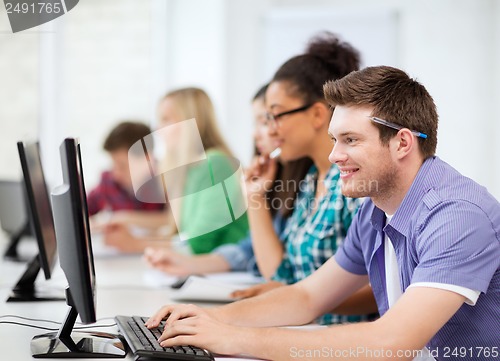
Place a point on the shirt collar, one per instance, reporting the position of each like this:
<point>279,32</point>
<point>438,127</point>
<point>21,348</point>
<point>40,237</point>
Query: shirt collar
<point>403,216</point>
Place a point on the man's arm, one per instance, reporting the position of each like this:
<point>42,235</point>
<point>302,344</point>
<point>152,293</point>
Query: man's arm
<point>409,325</point>
<point>361,303</point>
<point>119,236</point>
<point>145,219</point>
<point>399,334</point>
<point>296,304</point>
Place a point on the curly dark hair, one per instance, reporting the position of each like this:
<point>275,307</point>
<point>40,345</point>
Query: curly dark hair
<point>326,58</point>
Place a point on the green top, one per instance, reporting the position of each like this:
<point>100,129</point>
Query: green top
<point>213,205</point>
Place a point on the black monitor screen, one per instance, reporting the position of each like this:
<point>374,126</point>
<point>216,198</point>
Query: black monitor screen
<point>72,231</point>
<point>69,208</point>
<point>39,204</point>
<point>40,214</point>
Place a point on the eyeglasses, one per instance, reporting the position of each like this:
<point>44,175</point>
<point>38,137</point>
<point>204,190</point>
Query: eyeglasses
<point>272,119</point>
<point>396,126</point>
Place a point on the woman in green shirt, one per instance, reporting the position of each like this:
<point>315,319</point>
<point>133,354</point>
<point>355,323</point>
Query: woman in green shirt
<point>202,180</point>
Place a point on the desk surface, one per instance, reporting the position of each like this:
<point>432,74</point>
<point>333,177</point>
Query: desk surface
<point>121,289</point>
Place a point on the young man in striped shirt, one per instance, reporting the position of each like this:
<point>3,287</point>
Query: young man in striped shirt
<point>427,240</point>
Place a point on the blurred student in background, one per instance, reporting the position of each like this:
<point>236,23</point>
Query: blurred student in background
<point>298,118</point>
<point>115,193</point>
<point>192,169</point>
<point>279,200</point>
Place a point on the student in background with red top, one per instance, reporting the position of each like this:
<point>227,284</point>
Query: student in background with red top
<point>115,193</point>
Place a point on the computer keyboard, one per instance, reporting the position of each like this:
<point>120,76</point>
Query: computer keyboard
<point>144,342</point>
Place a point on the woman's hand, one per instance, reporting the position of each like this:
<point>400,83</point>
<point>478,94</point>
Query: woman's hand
<point>118,236</point>
<point>170,262</point>
<point>260,175</point>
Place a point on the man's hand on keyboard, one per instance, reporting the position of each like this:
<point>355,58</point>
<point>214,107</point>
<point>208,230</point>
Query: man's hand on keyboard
<point>192,325</point>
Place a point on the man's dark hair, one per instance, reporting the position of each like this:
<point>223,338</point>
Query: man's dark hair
<point>394,97</point>
<point>124,135</point>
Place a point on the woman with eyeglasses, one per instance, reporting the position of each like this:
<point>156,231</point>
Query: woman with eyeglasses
<point>297,120</point>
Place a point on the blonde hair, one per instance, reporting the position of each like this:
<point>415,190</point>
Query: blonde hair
<point>191,103</point>
<point>195,103</point>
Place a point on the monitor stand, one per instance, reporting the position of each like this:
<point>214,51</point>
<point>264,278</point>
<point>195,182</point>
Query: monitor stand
<point>11,252</point>
<point>67,344</point>
<point>25,290</point>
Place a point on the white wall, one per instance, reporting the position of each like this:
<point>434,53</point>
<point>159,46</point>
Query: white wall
<point>119,56</point>
<point>454,57</point>
<point>19,96</point>
<point>449,45</point>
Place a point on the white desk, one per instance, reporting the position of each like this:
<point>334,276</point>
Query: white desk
<point>121,289</point>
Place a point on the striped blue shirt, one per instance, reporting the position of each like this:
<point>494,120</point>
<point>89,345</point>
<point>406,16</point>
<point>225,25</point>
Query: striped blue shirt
<point>446,230</point>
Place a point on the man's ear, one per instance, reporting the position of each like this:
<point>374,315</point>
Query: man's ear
<point>403,143</point>
<point>321,115</point>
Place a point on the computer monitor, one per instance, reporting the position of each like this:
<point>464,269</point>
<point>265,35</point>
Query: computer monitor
<point>43,228</point>
<point>13,216</point>
<point>69,208</point>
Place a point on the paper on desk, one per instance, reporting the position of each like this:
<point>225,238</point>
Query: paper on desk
<point>204,289</point>
<point>158,279</point>
<point>244,279</point>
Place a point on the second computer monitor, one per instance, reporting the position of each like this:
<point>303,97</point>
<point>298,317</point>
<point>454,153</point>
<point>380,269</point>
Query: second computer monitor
<point>39,209</point>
